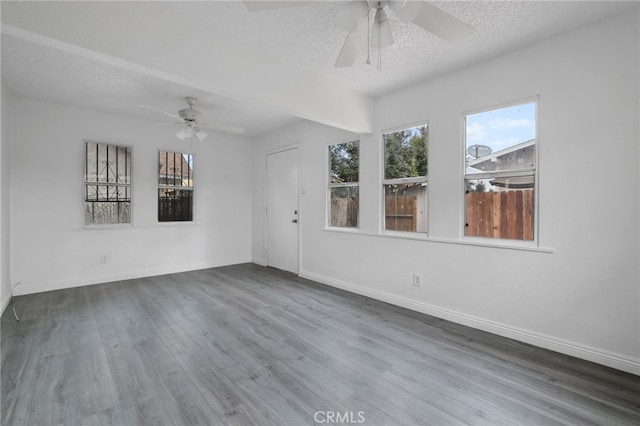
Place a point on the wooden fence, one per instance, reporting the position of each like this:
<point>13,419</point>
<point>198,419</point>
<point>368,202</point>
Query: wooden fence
<point>344,212</point>
<point>507,214</point>
<point>401,213</point>
<point>175,209</point>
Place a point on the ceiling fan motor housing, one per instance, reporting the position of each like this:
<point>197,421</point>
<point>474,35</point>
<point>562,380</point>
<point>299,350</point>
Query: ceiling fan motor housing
<point>189,115</point>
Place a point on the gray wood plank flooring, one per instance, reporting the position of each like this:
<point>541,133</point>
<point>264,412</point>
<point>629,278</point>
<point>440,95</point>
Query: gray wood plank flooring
<point>248,345</point>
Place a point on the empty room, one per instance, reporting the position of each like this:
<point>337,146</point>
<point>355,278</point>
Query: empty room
<point>320,212</point>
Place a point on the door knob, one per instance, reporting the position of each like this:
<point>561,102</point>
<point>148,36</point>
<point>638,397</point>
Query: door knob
<point>294,221</point>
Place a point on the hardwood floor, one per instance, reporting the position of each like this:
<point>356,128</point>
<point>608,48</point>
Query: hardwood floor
<point>248,345</point>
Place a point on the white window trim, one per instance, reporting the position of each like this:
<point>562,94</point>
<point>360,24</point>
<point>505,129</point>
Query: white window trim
<point>480,242</point>
<point>506,173</point>
<point>381,201</point>
<point>399,181</point>
<point>342,185</point>
<point>191,188</point>
<point>106,226</point>
<point>327,162</point>
<point>502,242</point>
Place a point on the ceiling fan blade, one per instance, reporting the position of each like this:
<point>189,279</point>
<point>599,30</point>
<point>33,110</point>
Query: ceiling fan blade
<point>258,5</point>
<point>406,11</point>
<point>440,23</point>
<point>160,111</point>
<point>167,123</point>
<point>350,12</point>
<point>352,45</point>
<point>223,128</point>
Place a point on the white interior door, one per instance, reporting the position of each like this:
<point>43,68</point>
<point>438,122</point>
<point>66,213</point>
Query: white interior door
<point>282,210</point>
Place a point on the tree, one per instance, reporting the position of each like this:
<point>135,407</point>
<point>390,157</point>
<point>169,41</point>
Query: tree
<point>345,162</point>
<point>479,186</point>
<point>405,153</point>
<point>419,142</point>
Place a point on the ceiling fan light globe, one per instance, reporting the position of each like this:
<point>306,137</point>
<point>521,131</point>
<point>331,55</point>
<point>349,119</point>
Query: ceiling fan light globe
<point>185,133</point>
<point>201,134</point>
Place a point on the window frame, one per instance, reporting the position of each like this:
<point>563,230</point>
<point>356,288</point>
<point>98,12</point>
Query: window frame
<point>419,179</point>
<point>330,186</point>
<point>86,183</point>
<point>529,171</point>
<point>176,187</point>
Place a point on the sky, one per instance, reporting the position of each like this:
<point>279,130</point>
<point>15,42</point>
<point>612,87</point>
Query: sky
<point>502,128</point>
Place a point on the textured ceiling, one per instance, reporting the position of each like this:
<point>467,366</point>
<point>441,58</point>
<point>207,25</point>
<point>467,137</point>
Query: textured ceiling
<point>309,36</point>
<point>260,70</point>
<point>40,72</point>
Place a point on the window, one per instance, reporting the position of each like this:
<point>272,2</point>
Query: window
<point>500,173</point>
<point>175,187</point>
<point>107,184</point>
<point>405,179</point>
<point>344,167</point>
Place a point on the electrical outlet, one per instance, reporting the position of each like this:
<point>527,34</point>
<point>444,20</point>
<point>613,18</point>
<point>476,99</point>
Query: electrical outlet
<point>417,280</point>
<point>104,259</point>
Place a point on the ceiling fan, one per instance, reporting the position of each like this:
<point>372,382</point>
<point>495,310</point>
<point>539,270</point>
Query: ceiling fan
<point>188,118</point>
<point>355,17</point>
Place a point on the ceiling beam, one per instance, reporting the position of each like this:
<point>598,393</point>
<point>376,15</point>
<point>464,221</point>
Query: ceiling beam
<point>148,39</point>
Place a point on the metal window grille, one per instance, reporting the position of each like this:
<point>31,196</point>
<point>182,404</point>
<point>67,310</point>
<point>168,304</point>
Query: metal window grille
<point>107,184</point>
<point>175,187</point>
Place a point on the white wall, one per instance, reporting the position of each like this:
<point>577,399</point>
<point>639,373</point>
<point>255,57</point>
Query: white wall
<point>50,248</point>
<point>581,298</point>
<point>312,171</point>
<point>5,276</point>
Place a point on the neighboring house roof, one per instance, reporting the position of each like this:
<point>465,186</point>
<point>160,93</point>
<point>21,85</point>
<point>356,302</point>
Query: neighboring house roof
<point>175,168</point>
<point>519,156</point>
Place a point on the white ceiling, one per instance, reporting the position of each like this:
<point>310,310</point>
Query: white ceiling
<point>259,70</point>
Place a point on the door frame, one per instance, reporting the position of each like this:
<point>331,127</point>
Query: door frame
<point>265,245</point>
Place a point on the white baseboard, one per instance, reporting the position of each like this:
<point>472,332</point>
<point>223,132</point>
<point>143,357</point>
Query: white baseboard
<point>259,261</point>
<point>24,288</point>
<point>599,356</point>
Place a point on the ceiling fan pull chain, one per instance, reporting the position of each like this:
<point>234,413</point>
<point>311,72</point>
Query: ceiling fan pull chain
<point>378,20</point>
<point>368,40</point>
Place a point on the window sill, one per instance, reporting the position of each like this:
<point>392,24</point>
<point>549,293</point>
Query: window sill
<point>345,229</point>
<point>501,244</point>
<point>174,223</point>
<point>407,235</point>
<point>110,227</point>
<point>133,227</point>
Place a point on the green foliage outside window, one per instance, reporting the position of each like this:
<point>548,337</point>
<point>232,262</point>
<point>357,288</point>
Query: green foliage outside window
<point>405,153</point>
<point>345,162</point>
